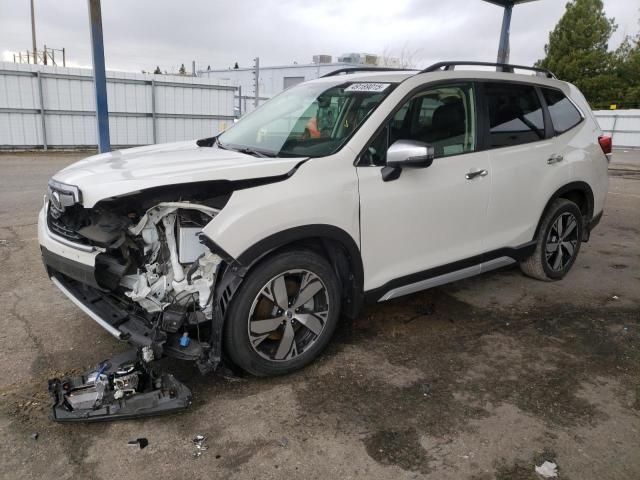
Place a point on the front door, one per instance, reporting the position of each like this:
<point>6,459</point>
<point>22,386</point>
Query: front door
<point>428,217</point>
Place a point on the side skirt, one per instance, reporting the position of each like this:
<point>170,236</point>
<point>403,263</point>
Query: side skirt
<point>449,273</point>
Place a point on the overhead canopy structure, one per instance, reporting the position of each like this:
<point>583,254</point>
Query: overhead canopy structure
<point>505,3</point>
<point>503,47</point>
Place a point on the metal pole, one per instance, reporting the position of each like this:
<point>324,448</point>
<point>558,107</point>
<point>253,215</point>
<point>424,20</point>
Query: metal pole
<point>154,127</point>
<point>99,76</point>
<point>503,47</point>
<point>33,34</point>
<point>239,101</point>
<point>43,124</point>
<point>44,55</point>
<point>257,80</point>
<point>64,58</point>
<point>193,68</point>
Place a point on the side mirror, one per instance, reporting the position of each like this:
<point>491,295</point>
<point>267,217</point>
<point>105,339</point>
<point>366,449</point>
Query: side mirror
<point>406,154</point>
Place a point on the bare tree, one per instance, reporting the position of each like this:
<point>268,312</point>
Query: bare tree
<point>405,57</point>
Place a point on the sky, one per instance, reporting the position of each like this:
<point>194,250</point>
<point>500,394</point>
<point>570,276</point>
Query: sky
<point>141,34</point>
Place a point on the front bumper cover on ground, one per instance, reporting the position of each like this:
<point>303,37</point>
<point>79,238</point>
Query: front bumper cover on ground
<point>122,387</point>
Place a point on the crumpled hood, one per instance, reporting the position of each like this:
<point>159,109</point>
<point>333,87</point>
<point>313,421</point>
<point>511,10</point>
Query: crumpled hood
<point>125,171</point>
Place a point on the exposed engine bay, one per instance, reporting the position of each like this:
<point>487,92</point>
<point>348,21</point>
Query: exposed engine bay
<point>177,271</point>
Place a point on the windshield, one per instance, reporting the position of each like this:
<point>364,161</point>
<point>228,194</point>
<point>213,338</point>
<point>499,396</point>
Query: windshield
<point>309,120</point>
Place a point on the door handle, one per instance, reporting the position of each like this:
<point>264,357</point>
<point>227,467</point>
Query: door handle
<point>477,173</point>
<point>555,158</point>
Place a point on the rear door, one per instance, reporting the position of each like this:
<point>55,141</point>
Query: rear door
<point>523,168</point>
<point>428,217</point>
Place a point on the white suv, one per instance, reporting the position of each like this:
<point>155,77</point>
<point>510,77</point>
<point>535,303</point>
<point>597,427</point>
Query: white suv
<point>359,186</point>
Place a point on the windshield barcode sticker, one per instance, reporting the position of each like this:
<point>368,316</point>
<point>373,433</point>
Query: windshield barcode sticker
<point>367,87</point>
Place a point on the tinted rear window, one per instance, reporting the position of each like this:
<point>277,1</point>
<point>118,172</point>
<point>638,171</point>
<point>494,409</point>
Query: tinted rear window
<point>515,114</point>
<point>564,115</point>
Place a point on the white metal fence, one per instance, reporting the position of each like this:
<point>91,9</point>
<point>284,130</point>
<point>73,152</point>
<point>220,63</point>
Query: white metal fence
<point>54,107</point>
<point>622,125</point>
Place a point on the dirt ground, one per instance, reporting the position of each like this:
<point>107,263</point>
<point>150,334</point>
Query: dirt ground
<point>480,379</point>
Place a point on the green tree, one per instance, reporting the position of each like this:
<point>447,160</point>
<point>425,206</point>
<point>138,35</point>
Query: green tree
<point>578,50</point>
<point>628,72</point>
<point>182,71</point>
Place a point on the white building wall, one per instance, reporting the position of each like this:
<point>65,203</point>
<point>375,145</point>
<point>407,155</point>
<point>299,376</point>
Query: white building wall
<point>271,79</point>
<point>184,107</point>
<point>622,125</point>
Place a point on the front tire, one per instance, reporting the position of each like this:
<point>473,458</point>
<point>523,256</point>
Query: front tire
<point>558,242</point>
<point>283,314</point>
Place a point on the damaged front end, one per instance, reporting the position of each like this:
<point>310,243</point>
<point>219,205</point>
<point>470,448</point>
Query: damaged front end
<point>156,284</point>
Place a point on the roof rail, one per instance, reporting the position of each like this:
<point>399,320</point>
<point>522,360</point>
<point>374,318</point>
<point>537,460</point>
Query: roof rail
<point>506,67</point>
<point>367,69</point>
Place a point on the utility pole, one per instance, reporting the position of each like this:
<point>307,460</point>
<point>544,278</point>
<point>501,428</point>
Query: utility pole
<point>33,33</point>
<point>99,76</point>
<point>256,79</point>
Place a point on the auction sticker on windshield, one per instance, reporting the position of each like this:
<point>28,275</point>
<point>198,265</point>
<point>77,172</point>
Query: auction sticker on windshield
<point>367,87</point>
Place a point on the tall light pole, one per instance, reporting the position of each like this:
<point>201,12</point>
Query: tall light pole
<point>503,46</point>
<point>33,34</point>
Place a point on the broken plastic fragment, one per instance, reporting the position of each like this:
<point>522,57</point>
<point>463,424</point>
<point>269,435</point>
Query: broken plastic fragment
<point>547,470</point>
<point>139,442</point>
<point>200,442</point>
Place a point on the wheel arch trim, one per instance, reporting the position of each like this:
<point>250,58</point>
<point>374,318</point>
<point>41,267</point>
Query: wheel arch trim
<point>580,186</point>
<point>241,264</point>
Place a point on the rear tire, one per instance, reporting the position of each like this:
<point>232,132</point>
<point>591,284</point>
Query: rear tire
<point>558,242</point>
<point>283,314</point>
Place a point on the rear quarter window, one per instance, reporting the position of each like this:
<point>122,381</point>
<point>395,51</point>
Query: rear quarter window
<point>564,114</point>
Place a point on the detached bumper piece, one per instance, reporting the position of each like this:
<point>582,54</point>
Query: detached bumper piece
<point>122,387</point>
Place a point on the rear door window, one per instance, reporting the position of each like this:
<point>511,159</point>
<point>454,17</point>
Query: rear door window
<point>564,114</point>
<point>515,114</point>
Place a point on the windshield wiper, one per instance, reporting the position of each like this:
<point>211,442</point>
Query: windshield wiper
<point>255,153</point>
<point>247,150</point>
<point>211,141</point>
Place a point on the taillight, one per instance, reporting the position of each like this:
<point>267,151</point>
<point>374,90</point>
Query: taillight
<point>606,144</point>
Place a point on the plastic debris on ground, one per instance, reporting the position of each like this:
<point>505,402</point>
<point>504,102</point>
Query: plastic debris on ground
<point>425,388</point>
<point>138,442</point>
<point>124,386</point>
<point>200,443</point>
<point>547,470</point>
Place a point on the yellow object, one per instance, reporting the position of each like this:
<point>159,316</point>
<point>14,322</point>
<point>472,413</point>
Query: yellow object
<point>613,106</point>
